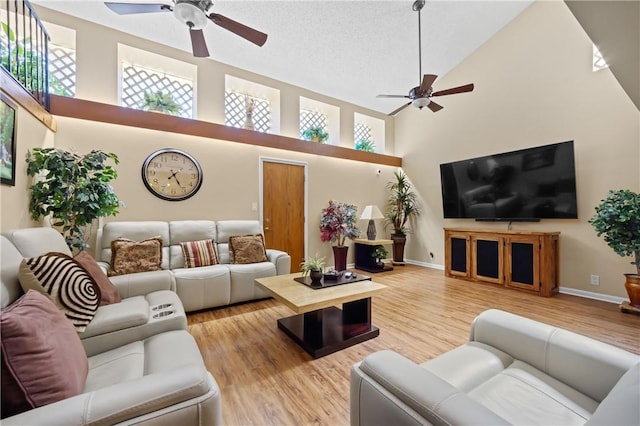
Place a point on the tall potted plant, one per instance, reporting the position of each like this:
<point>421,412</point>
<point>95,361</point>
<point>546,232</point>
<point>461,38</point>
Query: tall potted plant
<point>337,223</point>
<point>73,189</point>
<point>401,207</point>
<point>617,218</point>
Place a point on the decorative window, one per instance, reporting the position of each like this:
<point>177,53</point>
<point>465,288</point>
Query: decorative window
<point>310,119</point>
<point>361,131</point>
<point>368,133</point>
<point>247,112</point>
<point>598,61</point>
<point>62,70</point>
<point>137,80</point>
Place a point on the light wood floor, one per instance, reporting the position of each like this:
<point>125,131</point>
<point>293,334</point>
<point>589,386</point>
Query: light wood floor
<point>266,379</point>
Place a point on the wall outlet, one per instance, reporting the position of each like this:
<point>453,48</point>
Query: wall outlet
<point>595,279</point>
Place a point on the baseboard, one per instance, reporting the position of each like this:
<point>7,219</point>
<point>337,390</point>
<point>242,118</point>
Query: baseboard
<point>425,264</point>
<point>591,295</point>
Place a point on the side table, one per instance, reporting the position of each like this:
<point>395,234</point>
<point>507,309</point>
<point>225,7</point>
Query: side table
<point>363,253</point>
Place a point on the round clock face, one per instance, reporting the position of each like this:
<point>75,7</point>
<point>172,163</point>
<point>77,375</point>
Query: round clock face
<point>171,174</point>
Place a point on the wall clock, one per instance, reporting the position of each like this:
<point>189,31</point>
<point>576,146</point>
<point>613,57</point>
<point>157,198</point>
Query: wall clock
<point>171,174</point>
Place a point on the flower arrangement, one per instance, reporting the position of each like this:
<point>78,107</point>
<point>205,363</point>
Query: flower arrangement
<point>338,222</point>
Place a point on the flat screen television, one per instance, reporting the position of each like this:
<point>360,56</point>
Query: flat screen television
<point>524,185</point>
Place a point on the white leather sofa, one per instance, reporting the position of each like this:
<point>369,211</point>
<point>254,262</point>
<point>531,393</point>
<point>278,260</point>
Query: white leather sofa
<point>142,369</point>
<point>513,370</point>
<point>207,286</point>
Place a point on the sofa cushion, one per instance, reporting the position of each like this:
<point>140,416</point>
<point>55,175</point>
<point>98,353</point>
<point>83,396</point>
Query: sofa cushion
<point>108,292</point>
<point>198,253</point>
<point>65,282</point>
<point>129,257</point>
<point>43,360</point>
<point>247,249</point>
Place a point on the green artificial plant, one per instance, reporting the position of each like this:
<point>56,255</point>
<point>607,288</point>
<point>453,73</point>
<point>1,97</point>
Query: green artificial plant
<point>617,218</point>
<point>73,189</point>
<point>402,203</point>
<point>380,253</point>
<point>315,134</point>
<point>314,263</point>
<point>161,102</point>
<point>365,145</point>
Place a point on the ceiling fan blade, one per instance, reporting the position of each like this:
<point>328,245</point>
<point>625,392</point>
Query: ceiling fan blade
<point>392,96</point>
<point>454,90</point>
<point>131,8</point>
<point>248,33</point>
<point>394,112</point>
<point>198,44</point>
<point>427,82</point>
<point>434,106</point>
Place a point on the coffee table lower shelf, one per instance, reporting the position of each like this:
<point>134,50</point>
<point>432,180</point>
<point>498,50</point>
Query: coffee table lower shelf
<point>328,330</point>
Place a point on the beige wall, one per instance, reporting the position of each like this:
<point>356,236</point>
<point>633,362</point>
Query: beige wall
<point>533,86</point>
<point>14,200</point>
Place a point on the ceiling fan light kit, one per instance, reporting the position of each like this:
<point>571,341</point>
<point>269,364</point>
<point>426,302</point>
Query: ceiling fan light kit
<point>194,15</point>
<point>420,96</point>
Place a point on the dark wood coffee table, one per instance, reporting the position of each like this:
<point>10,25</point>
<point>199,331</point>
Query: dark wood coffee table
<point>319,327</point>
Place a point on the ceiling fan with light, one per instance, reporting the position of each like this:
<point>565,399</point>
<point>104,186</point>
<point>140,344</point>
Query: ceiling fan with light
<point>421,95</point>
<point>195,15</point>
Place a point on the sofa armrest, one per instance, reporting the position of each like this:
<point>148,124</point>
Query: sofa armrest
<point>128,400</point>
<point>281,259</point>
<point>387,388</point>
<point>143,283</point>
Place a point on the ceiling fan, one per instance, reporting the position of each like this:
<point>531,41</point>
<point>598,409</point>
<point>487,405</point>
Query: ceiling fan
<point>421,95</point>
<point>194,14</point>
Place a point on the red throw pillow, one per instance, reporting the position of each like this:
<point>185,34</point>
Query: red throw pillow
<point>108,292</point>
<point>43,360</point>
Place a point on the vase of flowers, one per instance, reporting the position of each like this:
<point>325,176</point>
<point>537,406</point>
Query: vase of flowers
<point>337,223</point>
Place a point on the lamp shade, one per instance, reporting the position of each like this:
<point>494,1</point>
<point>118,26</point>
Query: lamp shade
<point>371,212</point>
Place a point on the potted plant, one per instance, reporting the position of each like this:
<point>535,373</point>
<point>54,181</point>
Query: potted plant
<point>160,102</point>
<point>379,254</point>
<point>315,134</point>
<point>401,207</point>
<point>337,223</point>
<point>313,266</point>
<point>73,189</point>
<point>617,218</point>
<point>365,145</point>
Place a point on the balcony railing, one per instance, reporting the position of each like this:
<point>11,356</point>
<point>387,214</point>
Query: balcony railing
<point>24,45</point>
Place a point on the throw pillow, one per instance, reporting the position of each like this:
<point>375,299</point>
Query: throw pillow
<point>199,253</point>
<point>108,292</point>
<point>43,360</point>
<point>67,284</point>
<point>247,248</point>
<point>130,257</point>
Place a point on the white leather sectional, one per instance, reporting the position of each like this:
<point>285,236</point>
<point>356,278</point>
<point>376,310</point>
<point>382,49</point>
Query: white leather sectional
<point>513,370</point>
<point>207,286</point>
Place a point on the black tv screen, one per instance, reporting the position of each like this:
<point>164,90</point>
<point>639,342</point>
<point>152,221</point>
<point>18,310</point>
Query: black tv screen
<point>528,184</point>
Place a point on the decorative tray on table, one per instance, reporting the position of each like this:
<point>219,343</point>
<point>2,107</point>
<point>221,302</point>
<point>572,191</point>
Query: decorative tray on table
<point>344,277</point>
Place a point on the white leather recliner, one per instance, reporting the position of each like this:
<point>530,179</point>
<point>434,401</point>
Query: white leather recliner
<point>513,370</point>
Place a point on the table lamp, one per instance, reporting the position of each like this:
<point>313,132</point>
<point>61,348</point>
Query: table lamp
<point>371,213</point>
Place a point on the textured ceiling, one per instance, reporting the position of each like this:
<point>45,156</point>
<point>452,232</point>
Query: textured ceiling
<point>349,50</point>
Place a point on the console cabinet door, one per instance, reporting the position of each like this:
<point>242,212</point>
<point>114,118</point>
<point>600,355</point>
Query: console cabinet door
<point>486,258</point>
<point>523,262</point>
<point>457,254</point>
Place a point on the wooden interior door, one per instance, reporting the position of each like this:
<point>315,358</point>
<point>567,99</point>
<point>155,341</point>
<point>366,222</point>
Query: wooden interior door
<point>283,209</point>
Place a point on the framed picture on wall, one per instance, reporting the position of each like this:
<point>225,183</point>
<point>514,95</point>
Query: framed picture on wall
<point>8,116</point>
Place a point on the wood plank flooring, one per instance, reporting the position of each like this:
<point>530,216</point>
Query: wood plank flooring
<point>266,379</point>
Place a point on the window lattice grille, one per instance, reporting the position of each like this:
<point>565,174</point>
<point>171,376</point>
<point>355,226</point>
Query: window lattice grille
<point>62,70</point>
<point>137,80</point>
<point>361,131</point>
<point>236,106</point>
<point>312,119</point>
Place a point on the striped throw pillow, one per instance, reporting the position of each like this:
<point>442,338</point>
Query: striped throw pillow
<point>199,253</point>
<point>62,279</point>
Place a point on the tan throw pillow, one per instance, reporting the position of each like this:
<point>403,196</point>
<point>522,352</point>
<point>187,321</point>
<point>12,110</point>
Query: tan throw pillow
<point>108,292</point>
<point>129,257</point>
<point>247,248</point>
<point>43,360</point>
<point>199,253</point>
<point>67,284</point>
